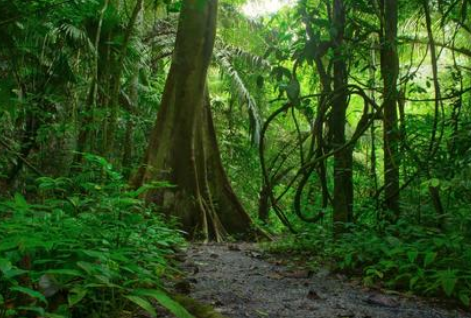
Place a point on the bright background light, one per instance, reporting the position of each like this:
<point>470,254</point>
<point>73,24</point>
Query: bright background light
<point>258,8</point>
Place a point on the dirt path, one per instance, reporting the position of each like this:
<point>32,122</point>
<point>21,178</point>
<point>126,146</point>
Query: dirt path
<point>239,284</point>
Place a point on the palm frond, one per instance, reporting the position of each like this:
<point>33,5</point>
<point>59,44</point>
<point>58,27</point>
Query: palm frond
<point>223,59</point>
<point>162,37</point>
<point>74,34</point>
<point>250,59</point>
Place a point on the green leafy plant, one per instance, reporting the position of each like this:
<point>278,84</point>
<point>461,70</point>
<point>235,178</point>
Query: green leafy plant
<point>89,248</point>
<point>413,257</point>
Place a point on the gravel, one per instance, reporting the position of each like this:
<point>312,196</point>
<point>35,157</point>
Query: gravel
<point>238,283</point>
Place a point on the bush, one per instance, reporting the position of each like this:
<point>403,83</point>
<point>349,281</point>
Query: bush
<point>424,260</point>
<point>88,248</point>
<point>420,259</point>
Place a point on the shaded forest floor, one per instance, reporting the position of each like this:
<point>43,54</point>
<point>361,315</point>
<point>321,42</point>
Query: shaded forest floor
<point>239,283</point>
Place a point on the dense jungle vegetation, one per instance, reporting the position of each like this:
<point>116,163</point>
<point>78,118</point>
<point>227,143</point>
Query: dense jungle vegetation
<point>130,127</point>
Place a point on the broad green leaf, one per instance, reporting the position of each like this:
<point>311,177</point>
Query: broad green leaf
<point>9,244</point>
<point>348,260</point>
<point>34,243</point>
<point>65,271</point>
<point>95,254</point>
<point>89,268</point>
<point>435,183</point>
<point>166,301</point>
<point>119,257</point>
<point>429,258</point>
<point>412,256</point>
<point>147,187</point>
<point>30,292</point>
<point>5,265</point>
<point>143,303</point>
<point>20,201</point>
<point>448,281</point>
<point>38,310</point>
<point>465,299</point>
<point>102,279</point>
<point>76,295</point>
<point>14,272</point>
<point>413,281</point>
<point>128,201</point>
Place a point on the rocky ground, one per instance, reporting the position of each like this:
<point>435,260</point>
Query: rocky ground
<point>238,283</point>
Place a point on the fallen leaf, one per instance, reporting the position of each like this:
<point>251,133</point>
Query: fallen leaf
<point>261,313</point>
<point>276,276</point>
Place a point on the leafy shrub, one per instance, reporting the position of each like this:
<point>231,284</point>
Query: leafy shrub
<point>88,248</point>
<point>424,260</point>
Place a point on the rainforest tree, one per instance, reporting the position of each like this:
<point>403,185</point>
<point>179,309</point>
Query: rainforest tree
<point>183,148</point>
<point>388,15</point>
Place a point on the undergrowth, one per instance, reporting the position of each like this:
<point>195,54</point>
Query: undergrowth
<point>86,246</point>
<point>418,259</point>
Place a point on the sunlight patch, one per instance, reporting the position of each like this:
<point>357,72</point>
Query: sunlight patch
<point>258,8</point>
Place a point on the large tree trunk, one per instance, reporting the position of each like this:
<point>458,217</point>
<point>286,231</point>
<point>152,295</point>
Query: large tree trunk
<point>390,73</point>
<point>183,148</point>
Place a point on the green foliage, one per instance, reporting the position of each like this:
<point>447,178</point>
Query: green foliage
<point>420,259</point>
<point>424,260</point>
<point>89,248</point>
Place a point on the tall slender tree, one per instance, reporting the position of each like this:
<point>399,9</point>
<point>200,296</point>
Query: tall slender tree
<point>390,74</point>
<point>343,184</point>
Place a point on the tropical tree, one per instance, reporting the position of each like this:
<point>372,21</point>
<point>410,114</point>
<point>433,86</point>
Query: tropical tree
<point>183,148</point>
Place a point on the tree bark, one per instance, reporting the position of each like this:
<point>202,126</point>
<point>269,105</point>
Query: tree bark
<point>132,104</point>
<point>435,140</point>
<point>343,184</point>
<point>390,74</point>
<point>183,148</point>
